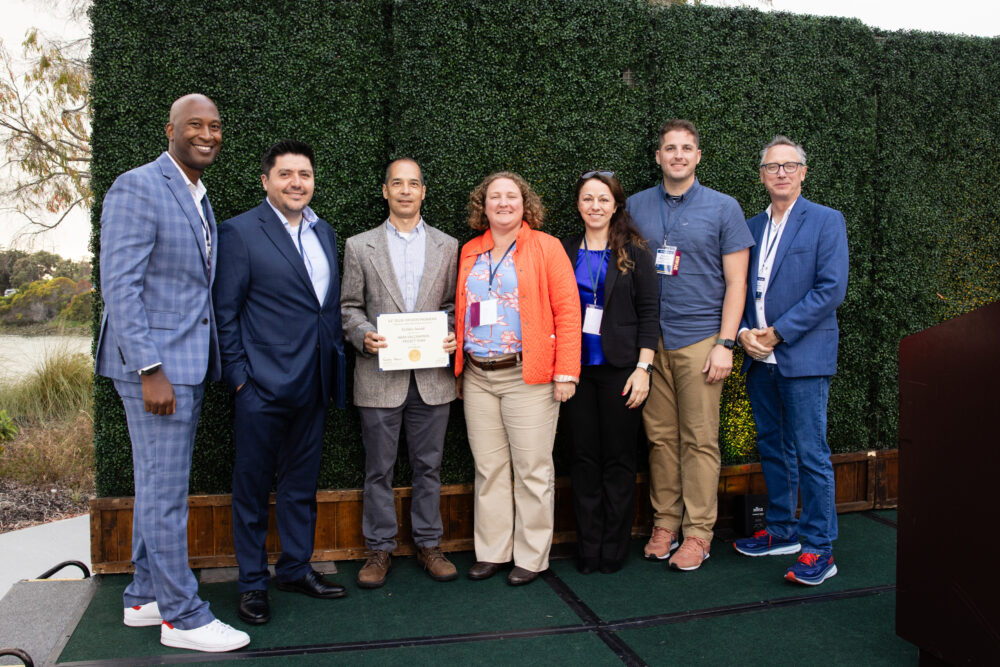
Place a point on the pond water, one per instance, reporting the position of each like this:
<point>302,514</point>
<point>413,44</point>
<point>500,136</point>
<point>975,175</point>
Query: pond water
<point>19,355</point>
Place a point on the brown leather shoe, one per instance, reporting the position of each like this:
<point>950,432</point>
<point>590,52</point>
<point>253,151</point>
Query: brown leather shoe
<point>519,576</point>
<point>438,567</point>
<point>375,569</point>
<point>484,570</point>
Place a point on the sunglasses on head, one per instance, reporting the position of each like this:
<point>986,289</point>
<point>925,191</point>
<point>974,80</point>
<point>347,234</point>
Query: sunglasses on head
<point>597,172</point>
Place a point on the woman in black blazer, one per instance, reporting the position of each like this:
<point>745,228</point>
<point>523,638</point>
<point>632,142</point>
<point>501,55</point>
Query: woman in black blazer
<point>619,296</point>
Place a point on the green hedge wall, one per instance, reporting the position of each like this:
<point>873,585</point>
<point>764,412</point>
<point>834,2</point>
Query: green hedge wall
<point>901,131</point>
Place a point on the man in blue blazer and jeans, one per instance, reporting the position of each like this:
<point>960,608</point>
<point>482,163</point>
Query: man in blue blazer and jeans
<point>277,300</point>
<point>158,343</point>
<point>798,277</point>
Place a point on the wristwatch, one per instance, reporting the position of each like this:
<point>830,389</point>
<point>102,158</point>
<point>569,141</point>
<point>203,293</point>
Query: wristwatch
<point>727,343</point>
<point>646,366</point>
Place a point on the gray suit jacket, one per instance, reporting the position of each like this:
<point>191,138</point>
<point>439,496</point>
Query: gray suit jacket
<point>370,288</point>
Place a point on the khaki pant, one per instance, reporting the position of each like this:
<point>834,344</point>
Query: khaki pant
<point>681,417</point>
<point>511,429</point>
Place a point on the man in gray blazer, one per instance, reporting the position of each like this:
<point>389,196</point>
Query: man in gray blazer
<point>403,265</point>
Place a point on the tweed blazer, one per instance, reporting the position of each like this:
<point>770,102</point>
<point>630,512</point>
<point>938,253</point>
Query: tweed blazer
<point>155,279</point>
<point>370,288</point>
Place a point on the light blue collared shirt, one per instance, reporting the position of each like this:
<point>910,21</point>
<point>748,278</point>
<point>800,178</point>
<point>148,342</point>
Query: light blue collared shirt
<point>307,244</point>
<point>407,252</point>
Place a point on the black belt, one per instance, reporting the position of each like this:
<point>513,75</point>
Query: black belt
<point>495,363</point>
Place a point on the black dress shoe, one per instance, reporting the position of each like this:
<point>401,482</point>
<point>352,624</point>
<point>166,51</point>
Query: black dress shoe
<point>313,585</point>
<point>586,565</point>
<point>484,570</point>
<point>610,566</point>
<point>254,608</point>
<point>519,576</point>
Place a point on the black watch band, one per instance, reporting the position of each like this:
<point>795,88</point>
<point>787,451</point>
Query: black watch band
<point>727,343</point>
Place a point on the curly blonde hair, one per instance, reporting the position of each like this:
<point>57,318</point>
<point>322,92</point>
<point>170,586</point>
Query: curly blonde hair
<point>534,212</point>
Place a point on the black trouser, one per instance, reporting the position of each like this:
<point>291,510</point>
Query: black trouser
<point>603,432</point>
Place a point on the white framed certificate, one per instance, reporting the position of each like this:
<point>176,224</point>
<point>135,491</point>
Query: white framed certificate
<point>414,340</point>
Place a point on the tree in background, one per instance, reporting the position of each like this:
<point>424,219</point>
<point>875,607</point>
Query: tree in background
<point>45,126</point>
<point>19,268</point>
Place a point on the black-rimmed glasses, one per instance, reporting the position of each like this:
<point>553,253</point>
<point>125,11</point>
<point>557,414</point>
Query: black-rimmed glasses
<point>597,172</point>
<point>789,167</point>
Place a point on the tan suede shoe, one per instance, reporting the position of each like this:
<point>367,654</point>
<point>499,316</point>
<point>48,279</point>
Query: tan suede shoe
<point>375,569</point>
<point>438,567</point>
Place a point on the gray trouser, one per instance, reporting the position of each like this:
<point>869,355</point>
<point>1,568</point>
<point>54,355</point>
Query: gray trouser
<point>425,429</point>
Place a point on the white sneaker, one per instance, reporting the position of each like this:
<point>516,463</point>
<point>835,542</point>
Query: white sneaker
<point>214,637</point>
<point>143,615</point>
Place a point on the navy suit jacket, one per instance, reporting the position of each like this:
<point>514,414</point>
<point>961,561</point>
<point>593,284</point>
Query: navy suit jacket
<point>808,281</point>
<point>273,331</point>
<point>155,279</point>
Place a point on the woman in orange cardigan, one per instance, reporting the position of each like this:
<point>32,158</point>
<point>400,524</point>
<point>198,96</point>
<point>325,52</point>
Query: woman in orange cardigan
<point>517,318</point>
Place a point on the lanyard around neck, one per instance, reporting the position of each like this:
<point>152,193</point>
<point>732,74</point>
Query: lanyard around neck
<point>594,276</point>
<point>771,244</point>
<point>676,215</point>
<point>493,273</point>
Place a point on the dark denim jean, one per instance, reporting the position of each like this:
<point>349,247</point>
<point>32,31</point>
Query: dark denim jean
<point>790,414</point>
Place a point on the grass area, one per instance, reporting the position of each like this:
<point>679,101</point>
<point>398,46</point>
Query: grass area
<point>52,411</point>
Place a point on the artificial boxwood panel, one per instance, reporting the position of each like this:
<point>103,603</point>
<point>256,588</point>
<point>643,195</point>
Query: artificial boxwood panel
<point>937,181</point>
<point>314,70</point>
<point>900,130</point>
<point>742,77</point>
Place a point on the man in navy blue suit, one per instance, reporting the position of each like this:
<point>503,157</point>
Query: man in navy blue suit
<point>798,277</point>
<point>277,301</point>
<point>158,343</point>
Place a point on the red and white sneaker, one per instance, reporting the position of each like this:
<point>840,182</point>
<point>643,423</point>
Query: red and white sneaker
<point>143,615</point>
<point>215,637</point>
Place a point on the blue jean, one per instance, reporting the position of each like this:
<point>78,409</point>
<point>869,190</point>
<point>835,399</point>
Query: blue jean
<point>790,414</point>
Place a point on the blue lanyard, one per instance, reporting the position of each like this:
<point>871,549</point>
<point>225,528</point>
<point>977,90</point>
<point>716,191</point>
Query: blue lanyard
<point>676,214</point>
<point>770,244</point>
<point>594,277</point>
<point>493,273</point>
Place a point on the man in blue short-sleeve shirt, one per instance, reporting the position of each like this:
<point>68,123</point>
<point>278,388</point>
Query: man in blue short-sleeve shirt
<point>701,243</point>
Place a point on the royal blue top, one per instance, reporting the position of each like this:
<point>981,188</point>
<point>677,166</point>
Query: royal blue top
<point>591,269</point>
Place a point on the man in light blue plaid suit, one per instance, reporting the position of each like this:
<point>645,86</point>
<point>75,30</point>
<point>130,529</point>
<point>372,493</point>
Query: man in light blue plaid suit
<point>158,343</point>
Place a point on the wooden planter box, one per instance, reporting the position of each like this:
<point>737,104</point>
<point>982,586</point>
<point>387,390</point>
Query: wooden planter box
<point>865,480</point>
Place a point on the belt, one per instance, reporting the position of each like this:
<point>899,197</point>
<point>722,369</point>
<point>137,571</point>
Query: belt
<point>495,363</point>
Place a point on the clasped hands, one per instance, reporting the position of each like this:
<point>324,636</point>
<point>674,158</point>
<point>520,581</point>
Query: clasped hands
<point>759,343</point>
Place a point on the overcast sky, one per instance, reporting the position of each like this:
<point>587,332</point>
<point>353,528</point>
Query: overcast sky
<point>970,17</point>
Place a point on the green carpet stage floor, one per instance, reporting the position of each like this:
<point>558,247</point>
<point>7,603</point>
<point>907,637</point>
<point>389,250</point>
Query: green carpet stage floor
<point>734,610</point>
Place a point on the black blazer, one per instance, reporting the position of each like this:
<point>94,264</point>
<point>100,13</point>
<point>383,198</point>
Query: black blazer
<point>631,305</point>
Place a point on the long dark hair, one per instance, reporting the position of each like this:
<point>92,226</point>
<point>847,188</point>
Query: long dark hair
<point>622,229</point>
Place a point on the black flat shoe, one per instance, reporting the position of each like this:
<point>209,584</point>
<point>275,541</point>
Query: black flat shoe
<point>254,608</point>
<point>313,585</point>
<point>586,565</point>
<point>519,576</point>
<point>483,570</point>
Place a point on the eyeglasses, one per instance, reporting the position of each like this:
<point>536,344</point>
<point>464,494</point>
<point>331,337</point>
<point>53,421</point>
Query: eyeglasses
<point>789,167</point>
<point>597,172</point>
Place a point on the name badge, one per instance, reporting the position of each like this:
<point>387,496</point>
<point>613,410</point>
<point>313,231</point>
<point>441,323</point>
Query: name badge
<point>668,260</point>
<point>761,286</point>
<point>483,313</point>
<point>592,319</point>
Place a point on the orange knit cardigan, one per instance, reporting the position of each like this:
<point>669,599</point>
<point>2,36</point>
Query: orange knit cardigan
<point>548,298</point>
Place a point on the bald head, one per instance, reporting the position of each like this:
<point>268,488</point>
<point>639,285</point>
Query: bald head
<point>194,134</point>
<point>181,104</point>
